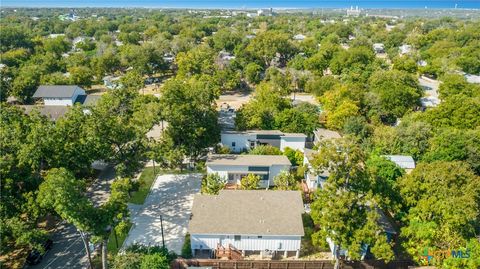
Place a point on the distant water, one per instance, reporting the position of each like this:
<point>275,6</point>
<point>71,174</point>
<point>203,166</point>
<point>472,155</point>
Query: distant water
<point>238,4</point>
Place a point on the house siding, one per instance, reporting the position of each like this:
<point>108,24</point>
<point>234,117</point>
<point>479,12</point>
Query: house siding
<point>273,171</point>
<point>293,142</point>
<point>247,242</point>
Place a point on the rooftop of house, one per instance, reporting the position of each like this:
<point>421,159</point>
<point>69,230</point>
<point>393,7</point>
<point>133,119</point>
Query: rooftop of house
<point>56,91</point>
<point>405,162</point>
<point>322,133</point>
<point>88,100</point>
<point>256,212</point>
<point>265,132</point>
<point>247,160</point>
<point>52,112</point>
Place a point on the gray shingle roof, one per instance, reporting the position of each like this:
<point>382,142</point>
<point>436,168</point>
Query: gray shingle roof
<point>88,100</point>
<point>56,91</point>
<point>257,212</point>
<point>321,134</point>
<point>52,112</point>
<point>258,160</point>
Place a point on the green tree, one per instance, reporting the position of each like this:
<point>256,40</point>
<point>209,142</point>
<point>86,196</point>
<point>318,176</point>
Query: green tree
<point>432,193</point>
<point>393,93</point>
<point>344,208</point>
<point>265,150</point>
<point>294,156</point>
<point>64,194</point>
<point>456,84</point>
<point>250,182</point>
<point>212,184</point>
<point>154,261</point>
<point>253,73</point>
<point>285,181</point>
<point>266,45</point>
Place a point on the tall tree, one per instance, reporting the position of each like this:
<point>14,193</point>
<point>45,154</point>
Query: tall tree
<point>433,193</point>
<point>345,209</point>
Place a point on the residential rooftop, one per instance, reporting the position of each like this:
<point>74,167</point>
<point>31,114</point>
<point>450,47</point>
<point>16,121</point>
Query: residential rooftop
<point>251,160</point>
<point>56,91</point>
<point>404,161</point>
<point>265,132</point>
<point>255,212</point>
<point>322,133</point>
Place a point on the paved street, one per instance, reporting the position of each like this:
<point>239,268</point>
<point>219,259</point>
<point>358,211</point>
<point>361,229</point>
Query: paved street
<point>171,197</point>
<point>68,250</point>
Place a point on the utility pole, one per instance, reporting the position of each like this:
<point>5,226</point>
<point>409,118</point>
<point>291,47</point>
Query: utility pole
<point>161,227</point>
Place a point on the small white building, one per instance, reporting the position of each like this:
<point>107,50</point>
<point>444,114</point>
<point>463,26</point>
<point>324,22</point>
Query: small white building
<point>234,167</point>
<point>239,141</point>
<point>265,223</point>
<point>299,37</point>
<point>472,78</point>
<point>379,48</point>
<point>58,95</point>
<point>405,49</point>
<point>403,161</point>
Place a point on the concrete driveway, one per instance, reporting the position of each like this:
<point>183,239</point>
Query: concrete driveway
<point>171,197</point>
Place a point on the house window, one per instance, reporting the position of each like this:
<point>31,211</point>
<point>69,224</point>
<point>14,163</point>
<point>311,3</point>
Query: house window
<point>259,236</point>
<point>237,237</point>
<point>233,144</point>
<point>252,144</point>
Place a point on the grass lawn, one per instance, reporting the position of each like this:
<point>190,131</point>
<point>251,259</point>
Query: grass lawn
<point>112,245</point>
<point>145,182</point>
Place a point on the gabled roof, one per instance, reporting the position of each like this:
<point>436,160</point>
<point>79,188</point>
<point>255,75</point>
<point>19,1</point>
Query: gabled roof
<point>56,91</point>
<point>256,212</point>
<point>405,162</point>
<point>247,160</point>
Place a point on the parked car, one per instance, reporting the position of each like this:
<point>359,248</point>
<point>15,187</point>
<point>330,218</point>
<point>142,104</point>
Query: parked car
<point>35,256</point>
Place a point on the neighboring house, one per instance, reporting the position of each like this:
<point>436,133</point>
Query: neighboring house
<point>112,82</point>
<point>234,167</point>
<point>259,222</point>
<point>51,112</point>
<point>472,78</point>
<point>57,100</point>
<point>299,37</point>
<point>239,141</point>
<point>379,48</point>
<point>405,162</point>
<point>321,134</point>
<point>312,179</point>
<point>405,49</point>
<point>58,95</point>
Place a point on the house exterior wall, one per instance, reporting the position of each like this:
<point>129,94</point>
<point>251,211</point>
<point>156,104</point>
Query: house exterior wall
<point>63,101</point>
<point>241,141</point>
<point>58,101</point>
<point>224,170</point>
<point>246,242</point>
<point>293,142</point>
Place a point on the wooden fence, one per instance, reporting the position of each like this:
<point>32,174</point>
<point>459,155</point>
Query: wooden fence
<point>286,264</point>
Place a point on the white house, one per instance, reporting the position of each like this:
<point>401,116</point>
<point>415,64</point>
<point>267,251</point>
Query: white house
<point>379,48</point>
<point>299,37</point>
<point>312,179</point>
<point>234,167</point>
<point>58,95</point>
<point>243,141</point>
<point>405,162</point>
<point>268,223</point>
<point>405,49</point>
